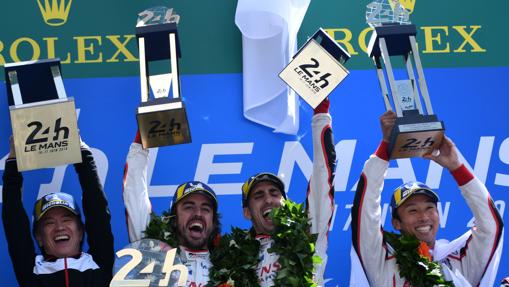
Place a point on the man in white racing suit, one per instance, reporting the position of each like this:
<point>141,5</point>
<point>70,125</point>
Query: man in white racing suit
<point>264,191</point>
<point>470,260</point>
<point>194,215</point>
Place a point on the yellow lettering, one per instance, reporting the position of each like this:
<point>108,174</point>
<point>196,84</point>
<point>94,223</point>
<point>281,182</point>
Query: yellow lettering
<point>83,49</point>
<point>2,59</point>
<point>121,48</point>
<point>50,44</point>
<point>346,39</point>
<point>36,50</point>
<point>468,39</point>
<point>429,39</point>
<point>362,39</point>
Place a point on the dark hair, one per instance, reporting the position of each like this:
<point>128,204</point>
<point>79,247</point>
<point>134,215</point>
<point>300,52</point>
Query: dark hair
<point>395,214</point>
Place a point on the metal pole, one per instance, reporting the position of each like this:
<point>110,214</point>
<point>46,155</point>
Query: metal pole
<point>143,71</point>
<point>383,84</point>
<point>390,76</point>
<point>420,73</point>
<point>174,67</point>
<point>411,76</point>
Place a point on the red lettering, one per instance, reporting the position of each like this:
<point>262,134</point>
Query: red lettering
<point>265,269</point>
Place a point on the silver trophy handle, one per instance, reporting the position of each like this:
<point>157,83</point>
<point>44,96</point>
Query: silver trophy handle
<point>390,76</point>
<point>411,76</point>
<point>16,92</point>
<point>59,84</point>
<point>422,79</point>
<point>174,67</point>
<point>143,71</point>
<point>381,81</point>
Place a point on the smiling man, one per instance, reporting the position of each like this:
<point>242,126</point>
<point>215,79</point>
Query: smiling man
<point>59,231</point>
<point>193,219</point>
<point>57,226</point>
<point>414,211</point>
<point>470,260</point>
<point>265,191</point>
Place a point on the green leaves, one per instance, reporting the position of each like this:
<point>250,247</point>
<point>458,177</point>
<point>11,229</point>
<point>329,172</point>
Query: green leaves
<point>237,256</point>
<point>235,260</point>
<point>417,269</point>
<point>160,228</point>
<point>294,245</point>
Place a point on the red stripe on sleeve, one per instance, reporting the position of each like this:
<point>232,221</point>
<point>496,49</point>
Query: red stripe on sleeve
<point>383,151</point>
<point>462,175</point>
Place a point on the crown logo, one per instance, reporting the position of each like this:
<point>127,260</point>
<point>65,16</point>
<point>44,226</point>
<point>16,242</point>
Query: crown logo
<point>408,4</point>
<point>54,14</point>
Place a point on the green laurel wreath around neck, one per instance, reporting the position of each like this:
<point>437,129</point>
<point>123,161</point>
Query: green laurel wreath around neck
<point>418,270</point>
<point>237,257</point>
<point>160,228</point>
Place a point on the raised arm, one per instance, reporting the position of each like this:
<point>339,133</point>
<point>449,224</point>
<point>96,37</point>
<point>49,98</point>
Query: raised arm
<point>16,222</point>
<point>480,250</point>
<point>367,231</point>
<point>135,193</point>
<point>96,212</point>
<point>320,195</point>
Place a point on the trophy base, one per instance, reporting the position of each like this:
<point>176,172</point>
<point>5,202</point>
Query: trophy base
<point>415,135</point>
<point>163,122</point>
<point>45,134</point>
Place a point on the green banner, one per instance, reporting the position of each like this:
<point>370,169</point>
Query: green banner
<point>96,38</point>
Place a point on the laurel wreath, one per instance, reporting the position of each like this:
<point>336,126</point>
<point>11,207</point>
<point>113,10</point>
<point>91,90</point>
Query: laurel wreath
<point>417,269</point>
<point>236,258</point>
<point>160,228</point>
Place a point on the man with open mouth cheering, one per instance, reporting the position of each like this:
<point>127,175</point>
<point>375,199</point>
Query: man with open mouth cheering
<point>192,222</point>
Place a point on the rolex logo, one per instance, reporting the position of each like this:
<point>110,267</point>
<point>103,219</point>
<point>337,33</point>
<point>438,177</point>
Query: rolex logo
<point>408,4</point>
<point>54,12</point>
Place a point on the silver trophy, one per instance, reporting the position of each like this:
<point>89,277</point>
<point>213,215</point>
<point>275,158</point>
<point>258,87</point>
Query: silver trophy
<point>148,263</point>
<point>417,130</point>
<point>162,120</point>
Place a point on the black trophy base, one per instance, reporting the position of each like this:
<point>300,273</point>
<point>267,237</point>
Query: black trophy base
<point>163,122</point>
<point>415,135</point>
<point>397,39</point>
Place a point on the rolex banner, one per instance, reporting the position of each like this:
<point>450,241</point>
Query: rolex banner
<point>460,43</point>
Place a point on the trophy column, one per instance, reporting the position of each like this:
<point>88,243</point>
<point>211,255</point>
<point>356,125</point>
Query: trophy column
<point>162,120</point>
<point>43,119</point>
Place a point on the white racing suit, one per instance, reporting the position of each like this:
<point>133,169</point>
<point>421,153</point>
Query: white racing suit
<point>138,209</point>
<point>319,202</point>
<point>470,260</point>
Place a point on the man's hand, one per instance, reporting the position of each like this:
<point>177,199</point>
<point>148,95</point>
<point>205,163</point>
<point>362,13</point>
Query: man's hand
<point>446,155</point>
<point>12,151</point>
<point>387,121</point>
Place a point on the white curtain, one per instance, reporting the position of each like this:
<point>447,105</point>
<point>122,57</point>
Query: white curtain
<point>269,40</point>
